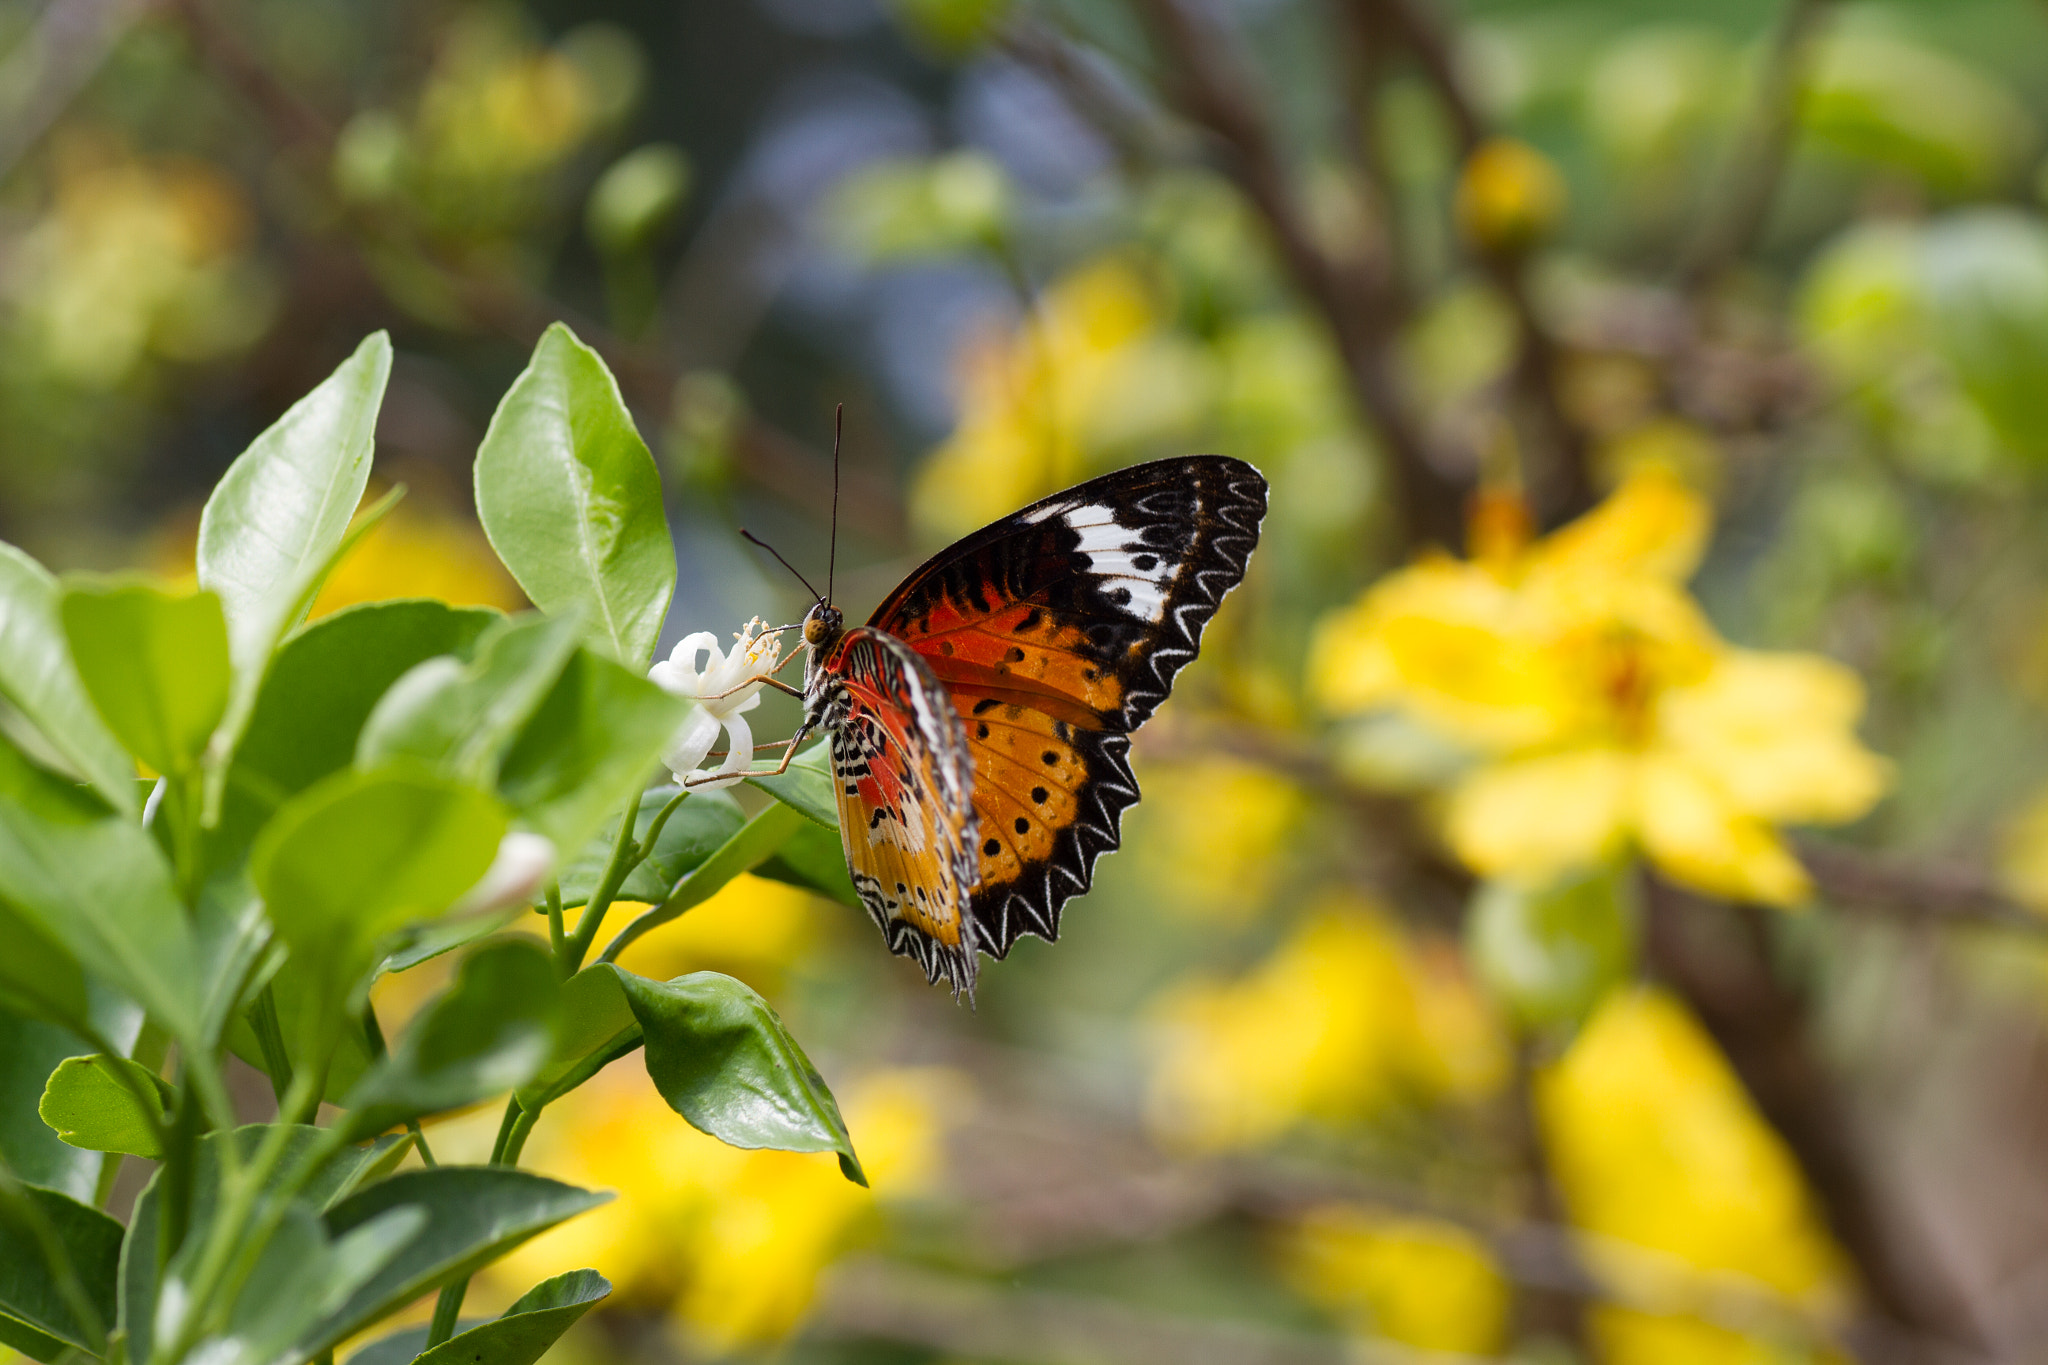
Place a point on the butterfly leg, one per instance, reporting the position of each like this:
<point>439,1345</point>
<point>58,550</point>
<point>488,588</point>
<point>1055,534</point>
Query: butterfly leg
<point>768,678</point>
<point>778,770</point>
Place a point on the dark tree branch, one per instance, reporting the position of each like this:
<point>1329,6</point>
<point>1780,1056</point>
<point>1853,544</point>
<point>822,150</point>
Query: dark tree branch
<point>1718,958</point>
<point>771,459</point>
<point>1560,484</point>
<point>1210,82</point>
<point>1736,213</point>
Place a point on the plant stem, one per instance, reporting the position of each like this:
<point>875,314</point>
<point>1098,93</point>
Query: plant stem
<point>512,1131</point>
<point>626,856</point>
<point>558,942</point>
<point>646,849</point>
<point>270,1038</point>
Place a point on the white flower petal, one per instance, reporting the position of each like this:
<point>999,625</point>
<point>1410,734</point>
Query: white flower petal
<point>692,740</point>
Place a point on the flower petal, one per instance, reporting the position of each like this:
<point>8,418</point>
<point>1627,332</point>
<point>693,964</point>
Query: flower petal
<point>739,752</point>
<point>1775,732</point>
<point>1652,524</point>
<point>1697,835</point>
<point>692,740</point>
<point>1536,817</point>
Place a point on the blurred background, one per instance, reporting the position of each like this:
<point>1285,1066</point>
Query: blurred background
<point>1583,907</point>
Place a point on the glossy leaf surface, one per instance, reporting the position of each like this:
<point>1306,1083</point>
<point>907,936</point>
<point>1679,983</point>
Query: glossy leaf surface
<point>105,1104</point>
<point>723,1060</point>
<point>154,664</point>
<point>38,679</point>
<point>571,500</point>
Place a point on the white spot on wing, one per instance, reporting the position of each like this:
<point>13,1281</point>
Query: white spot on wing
<point>1113,552</point>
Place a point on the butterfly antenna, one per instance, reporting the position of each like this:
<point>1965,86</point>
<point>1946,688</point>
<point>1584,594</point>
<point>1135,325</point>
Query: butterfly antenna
<point>751,538</point>
<point>832,557</point>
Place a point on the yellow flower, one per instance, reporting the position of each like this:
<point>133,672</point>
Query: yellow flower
<point>1510,196</point>
<point>1603,709</point>
<point>751,928</point>
<point>734,1240</point>
<point>1092,372</point>
<point>1686,1195</point>
<point>1419,1281</point>
<point>421,549</point>
<point>1331,1027</point>
<point>1210,839</point>
<point>2023,855</point>
<point>135,257</point>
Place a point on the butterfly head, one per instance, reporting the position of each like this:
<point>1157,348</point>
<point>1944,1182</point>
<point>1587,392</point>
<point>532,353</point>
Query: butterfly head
<point>823,626</point>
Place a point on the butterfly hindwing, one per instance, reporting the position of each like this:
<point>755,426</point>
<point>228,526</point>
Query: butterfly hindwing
<point>903,780</point>
<point>1057,631</point>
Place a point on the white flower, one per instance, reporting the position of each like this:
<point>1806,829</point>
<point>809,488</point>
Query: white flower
<point>724,688</point>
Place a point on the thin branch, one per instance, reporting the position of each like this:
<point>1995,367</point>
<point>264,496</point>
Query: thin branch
<point>48,67</point>
<point>1735,214</point>
<point>1562,485</point>
<point>1210,81</point>
<point>769,458</point>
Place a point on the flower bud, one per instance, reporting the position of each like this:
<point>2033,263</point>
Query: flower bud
<point>1510,197</point>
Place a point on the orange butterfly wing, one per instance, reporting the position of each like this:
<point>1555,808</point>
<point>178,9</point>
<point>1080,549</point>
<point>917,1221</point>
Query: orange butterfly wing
<point>1057,631</point>
<point>903,781</point>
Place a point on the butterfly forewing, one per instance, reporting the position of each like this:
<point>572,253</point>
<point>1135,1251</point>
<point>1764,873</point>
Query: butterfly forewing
<point>1057,631</point>
<point>904,782</point>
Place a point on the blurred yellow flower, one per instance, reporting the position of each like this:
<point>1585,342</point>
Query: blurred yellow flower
<point>734,1240</point>
<point>421,550</point>
<point>1335,1024</point>
<point>496,107</point>
<point>1510,196</point>
<point>1092,372</point>
<point>1602,705</point>
<point>1419,1281</point>
<point>1210,838</point>
<point>1687,1194</point>
<point>2023,855</point>
<point>135,257</point>
<point>752,928</point>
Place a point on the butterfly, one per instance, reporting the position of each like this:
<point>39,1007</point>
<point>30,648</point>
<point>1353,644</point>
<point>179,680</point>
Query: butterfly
<point>980,723</point>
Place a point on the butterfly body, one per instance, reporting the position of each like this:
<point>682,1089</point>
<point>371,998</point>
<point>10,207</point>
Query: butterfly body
<point>981,720</point>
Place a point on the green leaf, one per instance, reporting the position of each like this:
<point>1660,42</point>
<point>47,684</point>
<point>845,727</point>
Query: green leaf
<point>302,988</point>
<point>29,1051</point>
<point>570,498</point>
<point>360,855</point>
<point>589,749</point>
<point>1551,952</point>
<point>697,829</point>
<point>32,1291</point>
<point>474,1214</point>
<point>755,842</point>
<point>806,786</point>
<point>813,858</point>
<point>303,1278</point>
<point>520,1337</point>
<point>460,717</point>
<point>91,1106</point>
<point>424,942</point>
<point>276,520</point>
<point>38,678</point>
<point>487,1034</point>
<point>98,885</point>
<point>344,1173</point>
<point>1986,273</point>
<point>597,1028</point>
<point>721,1058</point>
<point>320,689</point>
<point>39,977</point>
<point>155,665</point>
